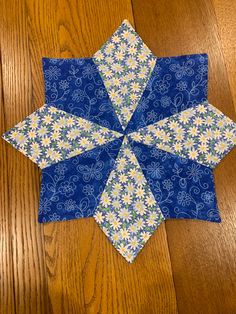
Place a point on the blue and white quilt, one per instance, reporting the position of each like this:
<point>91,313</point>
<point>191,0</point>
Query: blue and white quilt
<point>127,138</point>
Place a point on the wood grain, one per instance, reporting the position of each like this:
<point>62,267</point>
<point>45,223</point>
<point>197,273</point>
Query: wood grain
<point>6,263</point>
<point>202,254</point>
<point>70,267</point>
<point>30,285</point>
<point>226,21</point>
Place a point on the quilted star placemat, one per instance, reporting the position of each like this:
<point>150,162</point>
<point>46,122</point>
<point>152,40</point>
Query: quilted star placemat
<point>127,138</point>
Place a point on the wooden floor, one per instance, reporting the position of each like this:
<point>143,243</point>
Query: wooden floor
<point>70,267</point>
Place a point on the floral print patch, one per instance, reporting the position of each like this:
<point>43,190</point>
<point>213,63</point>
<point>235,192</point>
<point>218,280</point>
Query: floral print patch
<point>128,213</point>
<point>203,134</point>
<point>75,86</point>
<point>183,189</point>
<point>50,135</point>
<point>125,64</point>
<point>176,84</point>
<point>72,188</point>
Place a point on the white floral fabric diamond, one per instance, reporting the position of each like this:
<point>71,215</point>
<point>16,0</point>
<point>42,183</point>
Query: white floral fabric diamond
<point>50,135</point>
<point>125,64</point>
<point>128,212</point>
<point>202,133</point>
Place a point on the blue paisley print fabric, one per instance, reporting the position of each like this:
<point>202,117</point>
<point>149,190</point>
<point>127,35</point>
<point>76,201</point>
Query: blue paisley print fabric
<point>176,83</point>
<point>75,86</point>
<point>72,188</point>
<point>127,138</point>
<point>182,188</point>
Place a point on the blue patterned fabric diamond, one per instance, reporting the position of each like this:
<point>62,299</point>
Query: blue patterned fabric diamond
<point>76,86</point>
<point>127,138</point>
<point>182,188</point>
<point>72,188</point>
<point>176,84</point>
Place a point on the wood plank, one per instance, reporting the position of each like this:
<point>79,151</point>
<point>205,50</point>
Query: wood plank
<point>85,273</point>
<point>28,259</point>
<point>225,14</point>
<point>202,254</point>
<point>6,263</point>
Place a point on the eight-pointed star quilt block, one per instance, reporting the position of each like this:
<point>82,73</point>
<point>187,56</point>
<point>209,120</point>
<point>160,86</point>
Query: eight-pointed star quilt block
<point>127,138</point>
